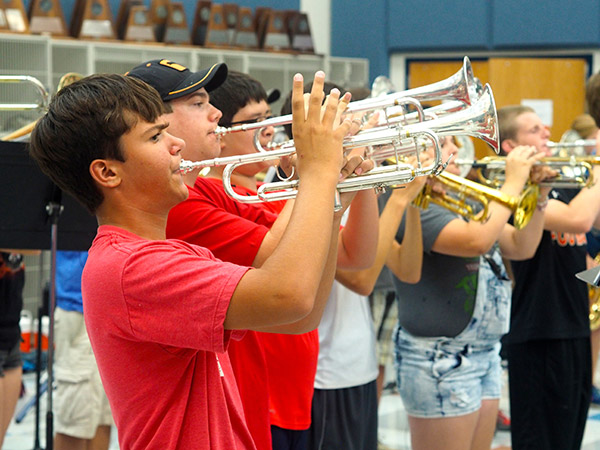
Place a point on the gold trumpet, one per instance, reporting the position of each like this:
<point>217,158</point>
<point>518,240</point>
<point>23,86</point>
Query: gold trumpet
<point>573,171</point>
<point>465,190</point>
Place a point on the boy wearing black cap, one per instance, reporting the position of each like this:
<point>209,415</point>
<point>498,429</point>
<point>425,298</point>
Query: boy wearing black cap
<point>160,313</point>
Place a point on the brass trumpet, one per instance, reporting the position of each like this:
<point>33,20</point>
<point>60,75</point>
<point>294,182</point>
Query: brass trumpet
<point>573,171</point>
<point>464,190</point>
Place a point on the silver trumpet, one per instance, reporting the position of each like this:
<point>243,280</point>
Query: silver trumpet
<point>478,120</point>
<point>577,143</point>
<point>37,85</point>
<point>573,172</point>
<point>462,87</point>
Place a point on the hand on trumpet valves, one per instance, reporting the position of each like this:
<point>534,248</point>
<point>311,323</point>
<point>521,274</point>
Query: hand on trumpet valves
<point>317,136</point>
<point>540,173</point>
<point>356,163</point>
<point>519,163</point>
<point>407,192</point>
<point>359,123</point>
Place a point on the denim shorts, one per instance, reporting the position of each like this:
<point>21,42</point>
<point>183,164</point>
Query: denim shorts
<point>10,359</point>
<point>437,378</point>
<point>446,377</point>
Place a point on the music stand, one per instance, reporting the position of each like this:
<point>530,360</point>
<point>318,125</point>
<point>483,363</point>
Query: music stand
<point>590,276</point>
<point>30,209</point>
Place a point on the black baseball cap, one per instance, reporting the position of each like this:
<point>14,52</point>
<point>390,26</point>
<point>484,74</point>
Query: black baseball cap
<point>172,80</point>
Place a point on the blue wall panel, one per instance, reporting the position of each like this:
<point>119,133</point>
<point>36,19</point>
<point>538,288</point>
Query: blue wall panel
<point>358,29</point>
<point>439,24</point>
<point>188,5</point>
<point>548,23</point>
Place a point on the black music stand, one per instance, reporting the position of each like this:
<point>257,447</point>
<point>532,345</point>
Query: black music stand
<point>30,208</point>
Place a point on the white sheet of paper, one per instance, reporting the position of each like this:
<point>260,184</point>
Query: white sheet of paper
<point>542,107</point>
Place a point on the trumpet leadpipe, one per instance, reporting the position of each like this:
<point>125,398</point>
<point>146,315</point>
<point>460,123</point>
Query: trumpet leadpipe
<point>577,143</point>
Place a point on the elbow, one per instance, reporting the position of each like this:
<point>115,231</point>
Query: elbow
<point>362,289</point>
<point>522,256</point>
<point>583,226</point>
<point>295,304</point>
<point>479,247</point>
<point>356,262</point>
<point>356,281</point>
<point>410,278</point>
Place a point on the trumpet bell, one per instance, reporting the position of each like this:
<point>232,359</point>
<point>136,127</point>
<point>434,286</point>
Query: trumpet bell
<point>478,120</point>
<point>523,206</point>
<point>461,86</point>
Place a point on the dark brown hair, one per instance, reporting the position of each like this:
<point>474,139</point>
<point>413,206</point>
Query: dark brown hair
<point>237,91</point>
<point>84,122</point>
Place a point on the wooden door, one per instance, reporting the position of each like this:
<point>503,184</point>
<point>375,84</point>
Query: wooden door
<point>559,81</point>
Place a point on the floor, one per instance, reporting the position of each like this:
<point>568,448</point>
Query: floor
<point>393,428</point>
<point>393,424</point>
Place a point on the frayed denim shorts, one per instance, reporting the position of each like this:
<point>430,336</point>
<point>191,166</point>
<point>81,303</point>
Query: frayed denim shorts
<point>446,377</point>
<point>437,378</point>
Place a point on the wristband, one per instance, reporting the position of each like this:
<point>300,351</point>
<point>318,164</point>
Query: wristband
<point>541,205</point>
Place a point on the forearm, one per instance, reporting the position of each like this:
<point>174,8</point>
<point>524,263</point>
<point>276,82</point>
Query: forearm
<point>522,244</point>
<point>579,216</point>
<point>311,321</point>
<point>304,244</point>
<point>358,238</point>
<point>363,281</point>
<point>406,260</point>
<point>284,288</point>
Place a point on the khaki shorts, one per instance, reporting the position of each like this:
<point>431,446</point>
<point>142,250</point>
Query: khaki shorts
<point>80,402</point>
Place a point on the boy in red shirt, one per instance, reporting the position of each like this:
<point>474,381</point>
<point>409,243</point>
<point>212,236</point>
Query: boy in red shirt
<point>246,234</point>
<point>160,313</point>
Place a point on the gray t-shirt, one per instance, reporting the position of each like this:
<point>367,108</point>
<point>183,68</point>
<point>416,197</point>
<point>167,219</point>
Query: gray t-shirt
<point>442,303</point>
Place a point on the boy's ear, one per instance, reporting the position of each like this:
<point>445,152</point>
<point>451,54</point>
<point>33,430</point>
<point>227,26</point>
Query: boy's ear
<point>507,145</point>
<point>105,172</point>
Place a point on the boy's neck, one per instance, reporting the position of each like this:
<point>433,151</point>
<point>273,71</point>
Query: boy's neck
<point>141,223</point>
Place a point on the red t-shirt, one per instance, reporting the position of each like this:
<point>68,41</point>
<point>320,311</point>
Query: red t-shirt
<point>234,231</point>
<point>154,311</point>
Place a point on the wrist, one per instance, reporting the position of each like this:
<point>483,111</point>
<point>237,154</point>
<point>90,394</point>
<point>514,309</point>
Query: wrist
<point>542,203</point>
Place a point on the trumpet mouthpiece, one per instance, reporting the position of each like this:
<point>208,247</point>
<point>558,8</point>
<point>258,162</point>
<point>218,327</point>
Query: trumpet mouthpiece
<point>186,166</point>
